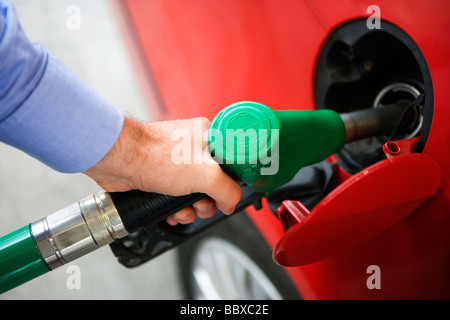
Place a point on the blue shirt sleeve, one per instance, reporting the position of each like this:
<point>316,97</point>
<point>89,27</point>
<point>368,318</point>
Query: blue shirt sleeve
<point>46,110</point>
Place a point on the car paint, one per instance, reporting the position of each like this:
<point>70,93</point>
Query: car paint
<point>203,55</point>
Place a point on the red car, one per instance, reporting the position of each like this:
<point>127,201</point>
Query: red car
<point>375,228</point>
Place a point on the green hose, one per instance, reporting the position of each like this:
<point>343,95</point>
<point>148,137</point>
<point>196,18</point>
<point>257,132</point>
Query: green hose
<point>20,261</point>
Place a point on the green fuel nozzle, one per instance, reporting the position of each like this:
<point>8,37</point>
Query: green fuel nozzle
<point>266,148</point>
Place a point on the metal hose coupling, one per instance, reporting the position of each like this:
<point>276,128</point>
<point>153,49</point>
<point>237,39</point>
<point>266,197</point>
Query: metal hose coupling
<point>78,229</point>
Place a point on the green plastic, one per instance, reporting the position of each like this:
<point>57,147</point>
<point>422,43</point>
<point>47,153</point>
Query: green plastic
<point>20,261</point>
<point>266,148</point>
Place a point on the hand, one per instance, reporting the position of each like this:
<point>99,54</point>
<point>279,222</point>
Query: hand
<point>146,157</point>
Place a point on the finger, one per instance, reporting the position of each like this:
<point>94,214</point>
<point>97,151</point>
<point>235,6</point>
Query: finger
<point>205,208</point>
<point>228,211</point>
<point>184,216</point>
<point>171,221</point>
<point>225,191</point>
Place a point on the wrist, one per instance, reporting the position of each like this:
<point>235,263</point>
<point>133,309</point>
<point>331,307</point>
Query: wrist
<point>117,170</point>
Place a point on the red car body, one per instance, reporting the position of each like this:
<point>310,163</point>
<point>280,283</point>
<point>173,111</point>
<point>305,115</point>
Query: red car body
<point>203,55</point>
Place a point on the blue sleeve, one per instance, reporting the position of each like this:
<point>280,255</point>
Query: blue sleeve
<point>46,110</point>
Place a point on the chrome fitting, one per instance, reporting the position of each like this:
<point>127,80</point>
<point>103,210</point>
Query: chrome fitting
<point>78,229</point>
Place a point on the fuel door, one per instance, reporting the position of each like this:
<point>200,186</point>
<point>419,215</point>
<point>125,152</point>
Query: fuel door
<point>362,207</point>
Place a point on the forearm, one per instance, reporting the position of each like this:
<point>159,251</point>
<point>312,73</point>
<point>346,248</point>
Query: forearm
<point>46,110</point>
<point>63,123</point>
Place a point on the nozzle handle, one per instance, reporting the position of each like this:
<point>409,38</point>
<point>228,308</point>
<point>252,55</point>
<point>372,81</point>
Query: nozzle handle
<point>139,209</point>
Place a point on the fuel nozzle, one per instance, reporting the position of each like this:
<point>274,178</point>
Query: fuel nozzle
<point>390,120</point>
<point>266,148</point>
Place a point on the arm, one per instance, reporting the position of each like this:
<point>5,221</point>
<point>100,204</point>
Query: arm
<point>46,110</point>
<point>49,112</point>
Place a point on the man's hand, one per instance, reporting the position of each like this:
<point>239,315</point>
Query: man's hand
<point>142,159</point>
